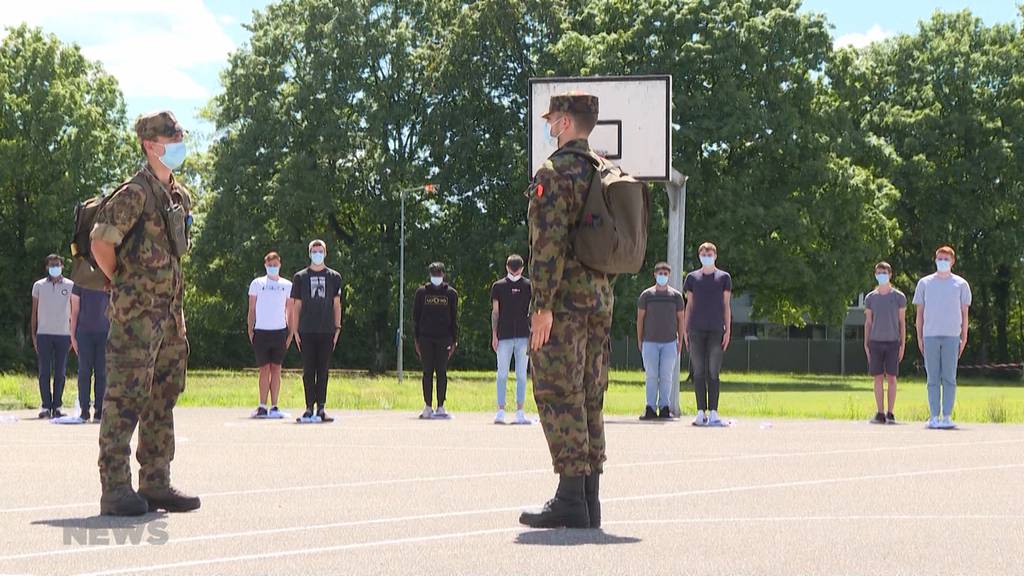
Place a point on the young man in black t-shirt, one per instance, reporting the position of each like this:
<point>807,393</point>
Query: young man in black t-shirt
<point>316,325</point>
<point>510,333</point>
<point>435,320</point>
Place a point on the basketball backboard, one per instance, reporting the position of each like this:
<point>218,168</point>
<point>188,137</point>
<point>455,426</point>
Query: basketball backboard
<point>634,125</point>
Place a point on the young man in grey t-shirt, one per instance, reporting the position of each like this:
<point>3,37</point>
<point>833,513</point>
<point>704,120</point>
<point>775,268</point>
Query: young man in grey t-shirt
<point>885,335</point>
<point>51,333</point>
<point>660,323</point>
<point>942,300</point>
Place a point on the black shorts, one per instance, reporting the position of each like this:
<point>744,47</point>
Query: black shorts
<point>885,358</point>
<point>269,346</point>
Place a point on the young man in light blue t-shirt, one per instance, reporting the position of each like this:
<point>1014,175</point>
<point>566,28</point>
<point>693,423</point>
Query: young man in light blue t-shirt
<point>942,300</point>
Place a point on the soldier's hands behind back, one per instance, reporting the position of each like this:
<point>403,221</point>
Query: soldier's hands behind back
<point>541,329</point>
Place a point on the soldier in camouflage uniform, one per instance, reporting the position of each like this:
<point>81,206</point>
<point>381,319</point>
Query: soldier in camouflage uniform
<point>572,317</point>
<point>138,240</point>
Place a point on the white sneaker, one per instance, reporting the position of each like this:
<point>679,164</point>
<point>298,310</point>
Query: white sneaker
<point>946,423</point>
<point>440,412</point>
<point>521,418</point>
<point>427,413</point>
<point>700,420</point>
<point>713,418</point>
<point>499,418</point>
<point>933,423</point>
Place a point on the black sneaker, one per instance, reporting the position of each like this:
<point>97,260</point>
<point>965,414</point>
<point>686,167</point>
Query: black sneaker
<point>260,412</point>
<point>97,417</point>
<point>45,414</point>
<point>56,413</point>
<point>664,413</point>
<point>889,418</point>
<point>649,414</point>
<point>323,416</point>
<point>878,419</point>
<point>84,416</point>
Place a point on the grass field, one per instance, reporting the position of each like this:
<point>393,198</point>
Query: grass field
<point>753,395</point>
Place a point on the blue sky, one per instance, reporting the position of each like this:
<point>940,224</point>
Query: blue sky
<point>189,41</point>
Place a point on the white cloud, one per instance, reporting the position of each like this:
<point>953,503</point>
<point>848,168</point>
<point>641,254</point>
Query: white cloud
<point>153,47</point>
<point>862,39</point>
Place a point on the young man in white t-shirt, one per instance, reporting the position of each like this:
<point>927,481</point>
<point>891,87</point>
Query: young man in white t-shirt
<point>269,310</point>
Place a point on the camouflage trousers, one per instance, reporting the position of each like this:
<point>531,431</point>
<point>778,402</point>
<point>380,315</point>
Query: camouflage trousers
<point>570,378</point>
<point>146,359</point>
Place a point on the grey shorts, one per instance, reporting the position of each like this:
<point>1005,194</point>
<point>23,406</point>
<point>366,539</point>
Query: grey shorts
<point>884,358</point>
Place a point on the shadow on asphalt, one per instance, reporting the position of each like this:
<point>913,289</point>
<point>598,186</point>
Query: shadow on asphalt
<point>564,537</point>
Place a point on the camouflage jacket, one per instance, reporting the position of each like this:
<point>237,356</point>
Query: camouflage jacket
<point>560,282</point>
<point>148,276</point>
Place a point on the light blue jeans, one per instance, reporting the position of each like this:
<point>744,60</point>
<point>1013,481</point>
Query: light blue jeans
<point>941,354</point>
<point>659,360</point>
<point>506,349</point>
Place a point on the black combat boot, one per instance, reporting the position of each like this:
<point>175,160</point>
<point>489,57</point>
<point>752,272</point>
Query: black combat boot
<point>122,501</point>
<point>169,499</point>
<point>593,488</point>
<point>568,509</point>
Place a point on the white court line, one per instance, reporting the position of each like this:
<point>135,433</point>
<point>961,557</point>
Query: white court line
<point>469,534</point>
<point>381,482</point>
<point>462,513</point>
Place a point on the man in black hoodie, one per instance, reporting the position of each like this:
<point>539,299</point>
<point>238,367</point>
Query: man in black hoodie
<point>437,336</point>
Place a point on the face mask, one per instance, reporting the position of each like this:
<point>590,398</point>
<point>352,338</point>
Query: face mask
<point>514,277</point>
<point>54,271</point>
<point>317,258</point>
<point>552,139</point>
<point>661,279</point>
<point>436,280</point>
<point>707,260</point>
<point>943,265</point>
<point>273,270</point>
<point>174,155</point>
<point>882,278</point>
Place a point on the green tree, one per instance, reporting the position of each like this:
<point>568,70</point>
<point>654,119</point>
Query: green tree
<point>796,220</point>
<point>63,138</point>
<point>940,115</point>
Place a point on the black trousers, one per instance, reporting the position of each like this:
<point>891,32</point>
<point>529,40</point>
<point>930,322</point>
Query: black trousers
<point>316,360</point>
<point>434,357</point>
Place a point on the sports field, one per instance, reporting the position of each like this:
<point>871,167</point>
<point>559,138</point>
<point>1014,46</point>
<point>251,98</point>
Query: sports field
<point>380,492</point>
<point>754,395</point>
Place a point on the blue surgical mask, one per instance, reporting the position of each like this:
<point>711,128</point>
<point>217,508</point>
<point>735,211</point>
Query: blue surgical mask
<point>54,271</point>
<point>943,265</point>
<point>174,155</point>
<point>707,260</point>
<point>550,138</point>
<point>661,279</point>
<point>436,280</point>
<point>882,278</point>
<point>273,270</point>
<point>317,258</point>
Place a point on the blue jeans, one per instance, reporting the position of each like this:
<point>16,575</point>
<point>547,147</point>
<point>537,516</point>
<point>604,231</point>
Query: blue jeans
<point>53,361</point>
<point>941,354</point>
<point>659,360</point>
<point>92,362</point>
<point>506,349</point>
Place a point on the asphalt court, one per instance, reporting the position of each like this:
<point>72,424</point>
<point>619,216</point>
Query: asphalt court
<point>387,493</point>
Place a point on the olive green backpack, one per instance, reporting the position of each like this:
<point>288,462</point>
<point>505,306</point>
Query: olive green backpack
<point>611,232</point>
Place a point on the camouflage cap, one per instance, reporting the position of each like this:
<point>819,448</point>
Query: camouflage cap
<point>572,102</point>
<point>150,126</point>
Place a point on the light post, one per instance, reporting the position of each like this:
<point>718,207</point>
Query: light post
<point>428,188</point>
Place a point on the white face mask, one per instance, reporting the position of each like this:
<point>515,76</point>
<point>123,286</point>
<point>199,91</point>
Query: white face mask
<point>514,277</point>
<point>436,280</point>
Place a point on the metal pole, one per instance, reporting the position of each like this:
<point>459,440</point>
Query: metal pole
<point>401,290</point>
<point>676,189</point>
